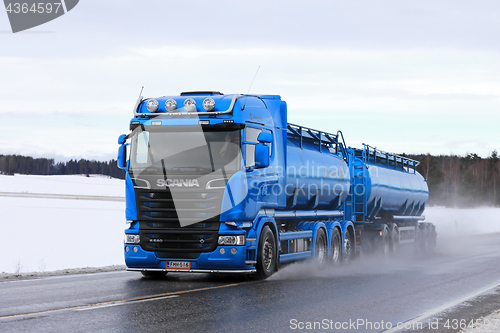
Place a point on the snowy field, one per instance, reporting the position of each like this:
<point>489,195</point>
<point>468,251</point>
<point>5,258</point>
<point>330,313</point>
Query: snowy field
<point>47,234</point>
<point>43,233</point>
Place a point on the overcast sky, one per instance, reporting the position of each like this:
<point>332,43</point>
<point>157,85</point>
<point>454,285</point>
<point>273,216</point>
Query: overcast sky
<point>404,76</point>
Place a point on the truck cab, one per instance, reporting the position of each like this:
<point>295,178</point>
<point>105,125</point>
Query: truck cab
<point>199,168</point>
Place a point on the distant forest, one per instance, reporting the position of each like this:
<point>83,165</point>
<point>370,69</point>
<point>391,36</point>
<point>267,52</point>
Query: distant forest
<point>11,164</point>
<point>461,181</point>
<point>454,181</point>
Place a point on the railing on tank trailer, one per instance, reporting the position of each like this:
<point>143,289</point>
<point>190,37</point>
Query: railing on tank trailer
<point>323,139</point>
<point>374,156</point>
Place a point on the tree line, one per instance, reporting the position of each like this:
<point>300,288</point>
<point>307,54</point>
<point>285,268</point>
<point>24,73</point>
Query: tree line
<point>11,164</point>
<point>454,181</point>
<point>461,181</point>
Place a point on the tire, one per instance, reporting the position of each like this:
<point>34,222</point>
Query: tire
<point>336,246</point>
<point>266,255</point>
<point>154,274</point>
<point>320,247</point>
<point>348,253</point>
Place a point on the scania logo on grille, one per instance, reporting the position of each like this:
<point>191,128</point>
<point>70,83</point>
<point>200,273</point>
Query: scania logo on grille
<point>155,240</point>
<point>177,183</point>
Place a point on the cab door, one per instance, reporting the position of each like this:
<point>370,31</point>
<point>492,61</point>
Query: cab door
<point>263,186</point>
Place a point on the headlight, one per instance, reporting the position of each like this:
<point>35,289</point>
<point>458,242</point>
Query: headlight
<point>132,239</point>
<point>152,105</point>
<point>171,105</point>
<point>190,105</point>
<point>209,104</point>
<point>232,240</point>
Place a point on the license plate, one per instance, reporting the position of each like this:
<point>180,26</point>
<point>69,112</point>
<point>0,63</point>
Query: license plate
<point>178,265</point>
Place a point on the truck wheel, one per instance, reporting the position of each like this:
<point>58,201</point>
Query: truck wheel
<point>321,247</point>
<point>154,274</point>
<point>348,247</point>
<point>336,246</point>
<point>266,257</point>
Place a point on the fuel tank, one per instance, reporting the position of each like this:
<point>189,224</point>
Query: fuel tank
<point>317,177</point>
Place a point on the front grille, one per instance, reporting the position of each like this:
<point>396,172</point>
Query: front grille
<point>160,230</point>
<point>190,205</point>
<point>179,241</point>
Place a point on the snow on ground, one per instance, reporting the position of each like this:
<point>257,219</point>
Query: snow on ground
<point>48,234</point>
<point>488,324</point>
<point>71,184</point>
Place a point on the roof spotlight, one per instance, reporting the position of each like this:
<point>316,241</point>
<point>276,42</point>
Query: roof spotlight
<point>209,104</point>
<point>152,105</point>
<point>190,105</point>
<point>171,105</point>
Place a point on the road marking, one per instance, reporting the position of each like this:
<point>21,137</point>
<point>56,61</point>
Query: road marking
<point>433,312</point>
<point>118,302</point>
<point>92,307</point>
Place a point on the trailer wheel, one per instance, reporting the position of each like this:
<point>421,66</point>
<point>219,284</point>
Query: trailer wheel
<point>321,247</point>
<point>336,246</point>
<point>348,247</point>
<point>266,257</point>
<point>154,274</point>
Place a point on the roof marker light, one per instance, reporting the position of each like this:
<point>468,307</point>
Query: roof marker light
<point>190,105</point>
<point>208,104</point>
<point>171,105</point>
<point>152,105</point>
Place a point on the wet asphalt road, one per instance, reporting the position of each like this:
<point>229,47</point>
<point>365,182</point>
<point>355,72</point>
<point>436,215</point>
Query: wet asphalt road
<point>375,290</point>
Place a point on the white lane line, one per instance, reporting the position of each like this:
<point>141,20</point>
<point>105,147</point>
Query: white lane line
<point>433,312</point>
<point>92,307</point>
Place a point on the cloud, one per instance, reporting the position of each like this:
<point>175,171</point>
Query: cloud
<point>392,73</point>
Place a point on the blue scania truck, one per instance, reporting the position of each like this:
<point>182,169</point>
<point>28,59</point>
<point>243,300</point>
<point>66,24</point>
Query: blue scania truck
<point>224,184</point>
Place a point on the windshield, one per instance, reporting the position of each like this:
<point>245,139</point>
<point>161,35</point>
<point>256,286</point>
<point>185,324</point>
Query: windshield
<point>164,151</point>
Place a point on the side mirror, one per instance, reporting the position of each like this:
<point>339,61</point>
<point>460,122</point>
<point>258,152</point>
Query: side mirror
<point>122,157</point>
<point>121,161</point>
<point>261,154</point>
<point>122,139</point>
<point>265,137</point>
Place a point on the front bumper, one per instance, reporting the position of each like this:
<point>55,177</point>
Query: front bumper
<point>207,262</point>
